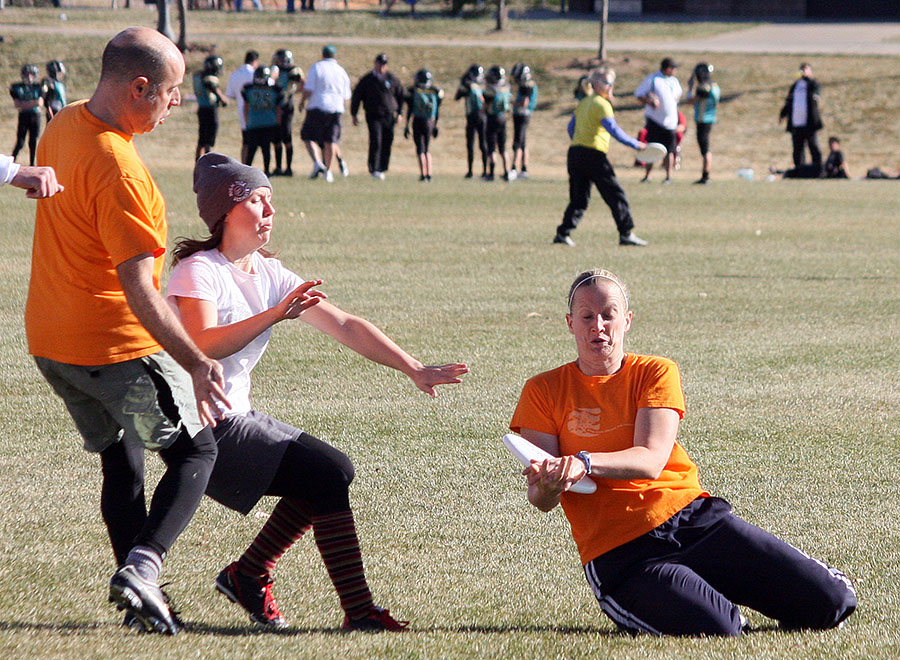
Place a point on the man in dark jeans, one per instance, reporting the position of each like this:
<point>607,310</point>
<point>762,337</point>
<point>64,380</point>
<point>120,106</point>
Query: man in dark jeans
<point>381,94</point>
<point>801,109</point>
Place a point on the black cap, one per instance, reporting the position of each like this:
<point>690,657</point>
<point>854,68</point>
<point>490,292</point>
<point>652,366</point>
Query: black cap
<point>381,58</point>
<point>668,63</point>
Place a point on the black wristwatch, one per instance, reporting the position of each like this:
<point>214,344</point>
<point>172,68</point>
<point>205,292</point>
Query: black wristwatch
<point>586,457</point>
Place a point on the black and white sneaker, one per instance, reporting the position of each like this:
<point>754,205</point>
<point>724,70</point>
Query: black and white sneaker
<point>131,592</point>
<point>564,240</point>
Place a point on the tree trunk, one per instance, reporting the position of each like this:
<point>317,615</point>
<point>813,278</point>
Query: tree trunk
<point>502,14</point>
<point>182,28</point>
<point>604,19</point>
<point>164,24</point>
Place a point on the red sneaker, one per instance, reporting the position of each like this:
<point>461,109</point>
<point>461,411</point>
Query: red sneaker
<point>377,620</point>
<point>254,594</point>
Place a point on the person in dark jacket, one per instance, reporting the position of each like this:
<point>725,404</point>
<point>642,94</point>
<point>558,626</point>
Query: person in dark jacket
<point>381,94</point>
<point>801,109</point>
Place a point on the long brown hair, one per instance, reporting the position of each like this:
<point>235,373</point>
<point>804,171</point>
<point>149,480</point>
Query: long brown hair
<point>185,247</point>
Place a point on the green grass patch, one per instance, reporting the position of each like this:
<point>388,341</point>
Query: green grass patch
<point>779,301</point>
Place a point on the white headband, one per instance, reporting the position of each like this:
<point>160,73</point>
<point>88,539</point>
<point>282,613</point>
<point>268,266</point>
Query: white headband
<point>601,277</point>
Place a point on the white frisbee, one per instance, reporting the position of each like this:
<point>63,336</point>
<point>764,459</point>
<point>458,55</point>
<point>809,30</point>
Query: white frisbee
<point>527,452</point>
<point>652,152</point>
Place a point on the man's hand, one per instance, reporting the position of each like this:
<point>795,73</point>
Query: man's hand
<point>208,379</point>
<point>38,182</point>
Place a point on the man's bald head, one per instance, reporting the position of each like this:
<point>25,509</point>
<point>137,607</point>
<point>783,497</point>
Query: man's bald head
<point>138,51</point>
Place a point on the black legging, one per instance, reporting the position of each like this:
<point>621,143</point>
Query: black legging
<point>29,125</point>
<point>189,462</point>
<point>314,473</point>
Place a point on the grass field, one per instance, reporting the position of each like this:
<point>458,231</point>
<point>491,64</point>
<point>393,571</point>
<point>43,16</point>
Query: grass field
<point>779,301</point>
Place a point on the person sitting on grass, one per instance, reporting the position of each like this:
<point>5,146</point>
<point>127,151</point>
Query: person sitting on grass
<point>835,166</point>
<point>661,555</point>
<point>229,292</point>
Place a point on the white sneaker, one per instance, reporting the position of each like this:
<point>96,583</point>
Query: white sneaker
<point>344,169</point>
<point>329,176</point>
<point>631,239</point>
<point>316,171</point>
<point>512,175</point>
<point>378,175</point>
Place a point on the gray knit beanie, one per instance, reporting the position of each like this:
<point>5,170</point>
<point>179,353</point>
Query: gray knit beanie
<point>221,183</point>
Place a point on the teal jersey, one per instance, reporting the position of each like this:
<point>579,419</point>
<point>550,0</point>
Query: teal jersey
<point>205,87</point>
<point>497,100</point>
<point>54,95</point>
<point>21,91</point>
<point>474,99</point>
<point>705,108</point>
<point>424,103</point>
<point>262,103</point>
<point>526,99</point>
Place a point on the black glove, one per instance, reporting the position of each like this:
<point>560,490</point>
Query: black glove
<point>406,132</point>
<point>434,132</point>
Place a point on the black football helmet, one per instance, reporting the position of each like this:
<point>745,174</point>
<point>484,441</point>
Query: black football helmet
<point>213,65</point>
<point>28,71</point>
<point>495,75</point>
<point>263,74</point>
<point>56,69</point>
<point>283,59</point>
<point>423,78</point>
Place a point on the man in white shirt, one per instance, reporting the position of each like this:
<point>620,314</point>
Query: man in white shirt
<point>241,77</point>
<point>660,92</point>
<point>325,92</point>
<point>37,182</point>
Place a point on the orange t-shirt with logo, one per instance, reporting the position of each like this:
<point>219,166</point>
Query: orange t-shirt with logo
<point>109,212</point>
<point>597,414</point>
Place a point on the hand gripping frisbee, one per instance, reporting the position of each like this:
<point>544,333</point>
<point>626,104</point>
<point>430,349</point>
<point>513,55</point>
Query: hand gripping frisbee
<point>527,452</point>
<point>652,152</point>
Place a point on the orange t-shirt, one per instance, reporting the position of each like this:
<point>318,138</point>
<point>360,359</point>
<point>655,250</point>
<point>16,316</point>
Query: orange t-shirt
<point>596,414</point>
<point>109,212</point>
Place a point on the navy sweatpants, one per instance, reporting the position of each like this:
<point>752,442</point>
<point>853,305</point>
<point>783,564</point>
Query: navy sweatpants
<point>687,577</point>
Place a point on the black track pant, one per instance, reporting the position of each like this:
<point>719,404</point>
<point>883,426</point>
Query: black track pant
<point>687,577</point>
<point>801,137</point>
<point>381,138</point>
<point>589,167</point>
<point>475,129</point>
<point>189,462</point>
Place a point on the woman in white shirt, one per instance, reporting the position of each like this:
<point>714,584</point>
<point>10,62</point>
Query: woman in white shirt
<point>229,292</point>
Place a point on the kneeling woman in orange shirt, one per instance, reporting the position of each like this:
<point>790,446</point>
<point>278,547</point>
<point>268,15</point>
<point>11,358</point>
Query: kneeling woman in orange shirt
<point>661,555</point>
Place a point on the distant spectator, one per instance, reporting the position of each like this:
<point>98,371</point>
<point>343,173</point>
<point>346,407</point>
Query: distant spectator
<point>209,98</point>
<point>835,166</point>
<point>325,91</point>
<point>497,104</point>
<point>660,92</point>
<point>471,88</point>
<point>381,94</point>
<point>236,82</point>
<point>289,80</point>
<point>54,88</point>
<point>28,98</point>
<point>704,93</point>
<point>262,110</point>
<point>424,103</point>
<point>523,107</point>
<point>801,109</point>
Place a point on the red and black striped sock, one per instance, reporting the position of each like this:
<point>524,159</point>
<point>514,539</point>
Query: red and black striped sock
<point>287,525</point>
<point>339,546</point>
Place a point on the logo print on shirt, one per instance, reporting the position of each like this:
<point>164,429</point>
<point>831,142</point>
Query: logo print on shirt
<point>239,191</point>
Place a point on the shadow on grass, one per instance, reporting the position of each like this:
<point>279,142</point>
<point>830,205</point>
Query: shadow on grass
<point>292,631</point>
